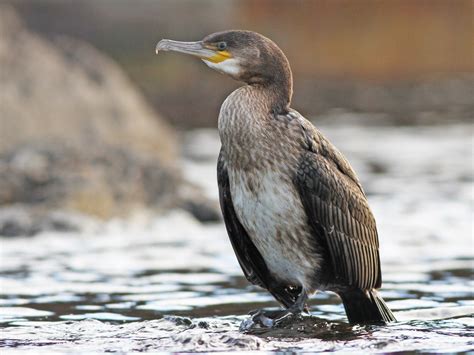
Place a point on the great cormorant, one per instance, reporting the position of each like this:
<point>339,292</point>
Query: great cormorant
<point>295,211</point>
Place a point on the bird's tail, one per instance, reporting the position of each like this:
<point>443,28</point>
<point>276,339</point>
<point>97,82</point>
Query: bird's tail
<point>366,307</point>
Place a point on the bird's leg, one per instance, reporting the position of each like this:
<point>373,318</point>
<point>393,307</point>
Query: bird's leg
<point>269,319</point>
<point>300,305</point>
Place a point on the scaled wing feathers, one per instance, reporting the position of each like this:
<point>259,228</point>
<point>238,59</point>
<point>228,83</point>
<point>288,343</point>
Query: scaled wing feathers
<point>338,211</point>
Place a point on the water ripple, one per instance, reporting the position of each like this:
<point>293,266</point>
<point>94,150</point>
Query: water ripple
<point>173,284</point>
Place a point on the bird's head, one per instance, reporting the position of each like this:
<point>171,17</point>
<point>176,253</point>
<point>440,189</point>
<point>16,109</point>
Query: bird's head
<point>243,55</point>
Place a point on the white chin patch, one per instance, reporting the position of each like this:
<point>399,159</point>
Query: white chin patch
<point>229,66</point>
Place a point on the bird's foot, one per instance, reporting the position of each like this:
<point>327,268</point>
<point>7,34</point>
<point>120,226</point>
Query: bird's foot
<point>269,319</point>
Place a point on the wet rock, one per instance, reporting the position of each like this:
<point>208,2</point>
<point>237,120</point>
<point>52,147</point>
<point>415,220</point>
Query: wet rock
<point>23,220</point>
<point>298,326</point>
<point>204,210</point>
<point>75,135</point>
<point>16,222</point>
<point>103,183</point>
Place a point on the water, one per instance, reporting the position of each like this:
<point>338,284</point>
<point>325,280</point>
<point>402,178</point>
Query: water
<point>172,284</point>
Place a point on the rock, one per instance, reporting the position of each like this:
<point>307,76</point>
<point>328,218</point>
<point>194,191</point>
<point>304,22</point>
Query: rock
<point>202,209</point>
<point>69,92</point>
<point>102,183</point>
<point>192,199</point>
<point>16,222</point>
<point>75,135</point>
<point>21,220</point>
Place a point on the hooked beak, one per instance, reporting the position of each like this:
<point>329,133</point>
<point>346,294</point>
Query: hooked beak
<point>197,49</point>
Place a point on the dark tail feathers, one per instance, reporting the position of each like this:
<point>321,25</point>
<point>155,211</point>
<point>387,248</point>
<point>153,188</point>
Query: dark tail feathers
<point>365,307</point>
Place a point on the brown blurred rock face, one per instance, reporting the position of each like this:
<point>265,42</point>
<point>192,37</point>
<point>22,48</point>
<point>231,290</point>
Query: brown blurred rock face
<point>68,92</point>
<point>74,132</point>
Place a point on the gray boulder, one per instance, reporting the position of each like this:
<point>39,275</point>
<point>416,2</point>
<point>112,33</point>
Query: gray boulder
<point>75,134</point>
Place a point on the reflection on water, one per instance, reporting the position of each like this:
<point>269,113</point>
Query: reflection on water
<point>171,283</point>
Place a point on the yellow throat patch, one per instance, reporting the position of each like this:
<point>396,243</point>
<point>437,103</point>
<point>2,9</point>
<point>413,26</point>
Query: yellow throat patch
<point>219,57</point>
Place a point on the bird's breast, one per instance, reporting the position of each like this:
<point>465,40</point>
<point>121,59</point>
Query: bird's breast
<point>270,210</point>
<point>262,155</point>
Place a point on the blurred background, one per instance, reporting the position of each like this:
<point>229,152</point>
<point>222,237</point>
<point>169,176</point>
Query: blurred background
<point>108,154</point>
<point>411,61</point>
<point>80,79</point>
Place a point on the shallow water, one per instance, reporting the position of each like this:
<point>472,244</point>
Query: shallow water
<point>173,284</point>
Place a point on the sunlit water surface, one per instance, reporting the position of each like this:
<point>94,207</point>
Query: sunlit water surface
<point>173,284</point>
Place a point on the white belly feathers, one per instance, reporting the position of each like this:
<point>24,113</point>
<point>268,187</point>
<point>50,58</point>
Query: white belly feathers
<point>272,214</point>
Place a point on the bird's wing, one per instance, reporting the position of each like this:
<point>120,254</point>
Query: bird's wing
<point>339,214</point>
<point>250,259</point>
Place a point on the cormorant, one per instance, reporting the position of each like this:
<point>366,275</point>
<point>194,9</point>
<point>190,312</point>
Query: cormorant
<point>295,211</point>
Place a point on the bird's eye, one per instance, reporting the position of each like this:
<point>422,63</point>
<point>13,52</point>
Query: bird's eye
<point>221,46</point>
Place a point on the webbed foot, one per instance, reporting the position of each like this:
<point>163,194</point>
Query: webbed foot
<point>273,319</point>
<point>269,319</point>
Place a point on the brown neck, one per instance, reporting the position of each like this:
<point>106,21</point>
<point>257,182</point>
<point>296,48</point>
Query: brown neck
<point>277,82</point>
<point>280,91</point>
